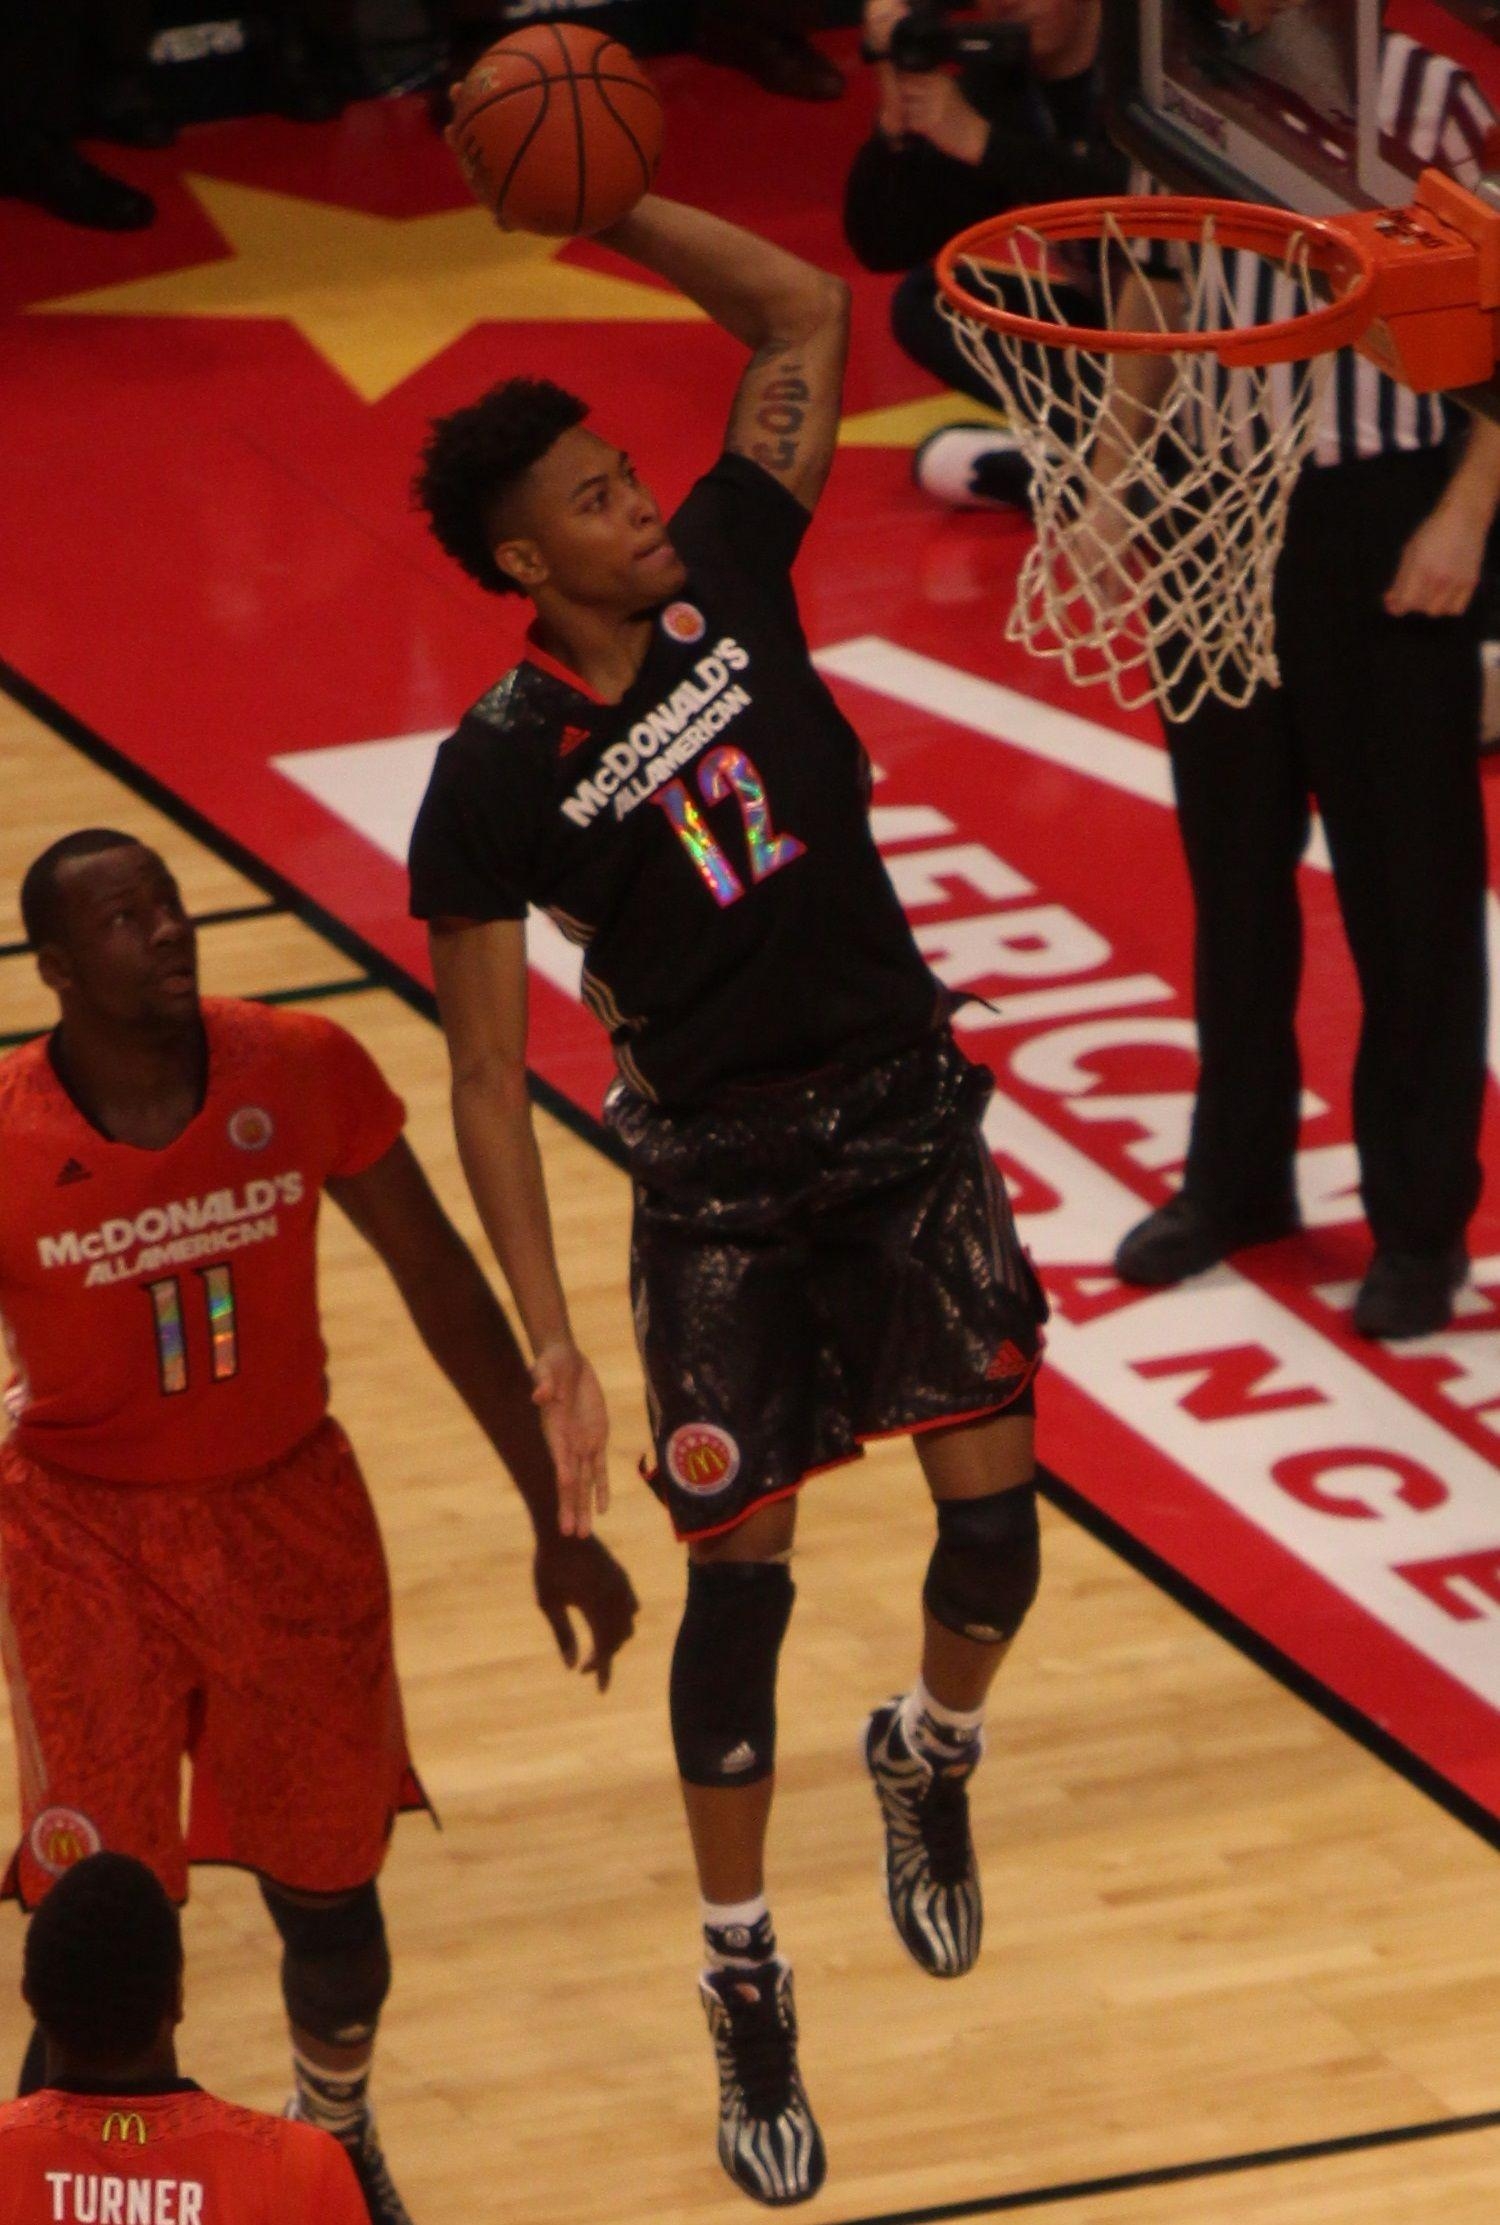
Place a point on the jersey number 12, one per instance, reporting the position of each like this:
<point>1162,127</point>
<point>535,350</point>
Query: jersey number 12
<point>728,772</point>
<point>171,1342</point>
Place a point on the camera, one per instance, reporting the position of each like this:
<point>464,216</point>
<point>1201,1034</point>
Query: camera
<point>925,40</point>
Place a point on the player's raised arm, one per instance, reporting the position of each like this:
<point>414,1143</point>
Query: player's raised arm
<point>479,970</point>
<point>464,1328</point>
<point>793,317</point>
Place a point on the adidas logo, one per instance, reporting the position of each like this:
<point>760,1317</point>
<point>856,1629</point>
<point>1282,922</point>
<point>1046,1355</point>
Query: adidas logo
<point>74,1171</point>
<point>740,1757</point>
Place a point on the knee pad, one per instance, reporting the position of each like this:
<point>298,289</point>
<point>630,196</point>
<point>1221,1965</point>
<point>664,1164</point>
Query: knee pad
<point>335,1965</point>
<point>986,1564</point>
<point>723,1688</point>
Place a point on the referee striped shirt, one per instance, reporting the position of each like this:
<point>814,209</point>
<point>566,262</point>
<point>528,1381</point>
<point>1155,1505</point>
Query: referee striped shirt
<point>1431,113</point>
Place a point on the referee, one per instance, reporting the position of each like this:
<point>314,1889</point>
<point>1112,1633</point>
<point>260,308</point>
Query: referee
<point>1377,720</point>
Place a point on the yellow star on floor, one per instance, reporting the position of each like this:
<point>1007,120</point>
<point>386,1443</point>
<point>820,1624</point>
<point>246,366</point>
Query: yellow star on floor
<point>377,296</point>
<point>906,423</point>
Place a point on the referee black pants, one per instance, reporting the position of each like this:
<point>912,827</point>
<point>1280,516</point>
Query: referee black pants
<point>1377,720</point>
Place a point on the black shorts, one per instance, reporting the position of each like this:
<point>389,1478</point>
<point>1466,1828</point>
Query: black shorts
<point>815,1263</point>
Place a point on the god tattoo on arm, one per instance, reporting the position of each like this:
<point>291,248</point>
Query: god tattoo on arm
<point>779,416</point>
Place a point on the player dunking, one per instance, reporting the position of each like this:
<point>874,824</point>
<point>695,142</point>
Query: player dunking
<point>822,1250</point>
<point>189,1560</point>
<point>116,2134</point>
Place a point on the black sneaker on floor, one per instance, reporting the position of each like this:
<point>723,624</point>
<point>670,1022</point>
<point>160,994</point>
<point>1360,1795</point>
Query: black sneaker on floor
<point>973,467</point>
<point>54,176</point>
<point>768,2141</point>
<point>1181,1239</point>
<point>370,2168</point>
<point>931,1876</point>
<point>1409,1294</point>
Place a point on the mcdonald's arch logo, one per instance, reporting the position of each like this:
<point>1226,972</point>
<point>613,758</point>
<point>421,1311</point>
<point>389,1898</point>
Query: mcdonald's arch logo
<point>124,2124</point>
<point>702,1459</point>
<point>62,1836</point>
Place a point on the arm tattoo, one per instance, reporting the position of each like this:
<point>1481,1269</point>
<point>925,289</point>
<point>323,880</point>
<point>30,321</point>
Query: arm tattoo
<point>780,413</point>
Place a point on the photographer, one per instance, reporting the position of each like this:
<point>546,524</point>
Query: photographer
<point>979,114</point>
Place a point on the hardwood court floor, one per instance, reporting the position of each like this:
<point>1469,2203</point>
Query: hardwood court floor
<point>1214,1926</point>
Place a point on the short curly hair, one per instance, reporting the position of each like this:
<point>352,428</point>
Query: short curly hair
<point>102,1960</point>
<point>42,913</point>
<point>474,456</point>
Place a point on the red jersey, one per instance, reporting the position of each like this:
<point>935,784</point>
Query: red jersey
<point>161,1306</point>
<point>177,2158</point>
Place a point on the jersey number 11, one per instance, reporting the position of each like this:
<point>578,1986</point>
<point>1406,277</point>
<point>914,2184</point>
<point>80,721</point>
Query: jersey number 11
<point>171,1342</point>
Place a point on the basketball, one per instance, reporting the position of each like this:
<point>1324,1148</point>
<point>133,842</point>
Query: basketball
<point>557,129</point>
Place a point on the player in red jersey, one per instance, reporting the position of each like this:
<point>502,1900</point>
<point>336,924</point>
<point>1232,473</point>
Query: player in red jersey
<point>117,2137</point>
<point>189,1562</point>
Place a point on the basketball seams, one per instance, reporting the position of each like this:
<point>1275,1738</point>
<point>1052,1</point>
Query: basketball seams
<point>542,81</point>
<point>600,81</point>
<point>595,138</point>
<point>537,121</point>
<point>580,144</point>
<point>537,82</point>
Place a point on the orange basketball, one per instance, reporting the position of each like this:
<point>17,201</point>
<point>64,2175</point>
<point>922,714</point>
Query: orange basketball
<point>557,129</point>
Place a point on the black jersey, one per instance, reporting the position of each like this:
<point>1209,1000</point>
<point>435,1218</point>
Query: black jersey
<point>706,838</point>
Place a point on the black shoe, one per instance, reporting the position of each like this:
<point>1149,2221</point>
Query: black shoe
<point>125,109</point>
<point>973,467</point>
<point>1409,1294</point>
<point>362,2147</point>
<point>931,1876</point>
<point>55,177</point>
<point>768,2141</point>
<point>1181,1239</point>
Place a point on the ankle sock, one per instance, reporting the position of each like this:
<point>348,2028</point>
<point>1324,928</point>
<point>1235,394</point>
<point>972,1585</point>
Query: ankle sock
<point>939,1733</point>
<point>737,1934</point>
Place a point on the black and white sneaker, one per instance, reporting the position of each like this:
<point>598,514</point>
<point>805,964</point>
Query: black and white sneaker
<point>931,1877</point>
<point>768,2141</point>
<point>362,2147</point>
<point>973,467</point>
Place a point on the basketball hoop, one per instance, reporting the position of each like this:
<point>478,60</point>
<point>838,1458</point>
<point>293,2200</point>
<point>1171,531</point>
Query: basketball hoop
<point>1165,441</point>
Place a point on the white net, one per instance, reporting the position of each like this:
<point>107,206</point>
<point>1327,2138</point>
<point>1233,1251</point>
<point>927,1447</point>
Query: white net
<point>1160,482</point>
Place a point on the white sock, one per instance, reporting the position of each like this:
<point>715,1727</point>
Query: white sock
<point>737,1934</point>
<point>929,1728</point>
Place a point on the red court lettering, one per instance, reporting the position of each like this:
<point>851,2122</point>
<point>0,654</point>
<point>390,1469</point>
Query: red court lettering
<point>1228,1381</point>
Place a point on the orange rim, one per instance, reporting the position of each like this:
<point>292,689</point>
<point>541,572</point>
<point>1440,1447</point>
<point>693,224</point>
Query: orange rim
<point>1343,259</point>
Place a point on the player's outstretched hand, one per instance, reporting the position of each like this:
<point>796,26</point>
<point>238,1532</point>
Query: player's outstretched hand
<point>582,1573</point>
<point>576,1426</point>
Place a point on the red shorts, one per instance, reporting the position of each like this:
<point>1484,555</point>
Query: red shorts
<point>244,1623</point>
